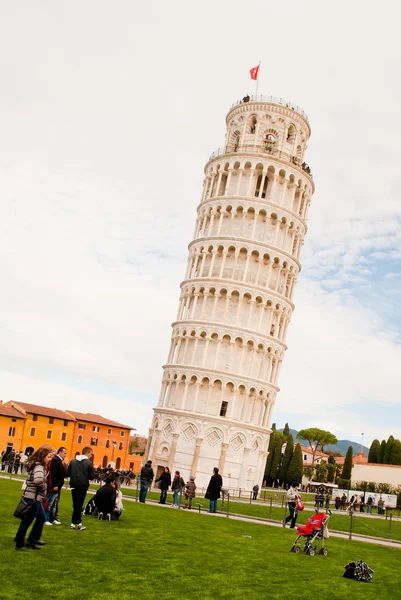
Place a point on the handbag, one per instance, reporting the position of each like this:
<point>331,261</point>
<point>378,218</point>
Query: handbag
<point>24,509</point>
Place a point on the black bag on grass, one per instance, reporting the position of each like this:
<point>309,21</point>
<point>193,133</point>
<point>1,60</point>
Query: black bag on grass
<point>358,570</point>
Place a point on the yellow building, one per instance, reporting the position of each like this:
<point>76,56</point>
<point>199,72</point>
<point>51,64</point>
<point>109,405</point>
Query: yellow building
<point>11,428</point>
<point>25,427</point>
<point>42,425</point>
<point>108,439</point>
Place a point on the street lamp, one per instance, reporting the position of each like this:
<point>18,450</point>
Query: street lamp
<point>362,434</point>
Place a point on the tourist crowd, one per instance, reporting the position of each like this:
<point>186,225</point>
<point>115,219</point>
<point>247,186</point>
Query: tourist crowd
<point>46,472</point>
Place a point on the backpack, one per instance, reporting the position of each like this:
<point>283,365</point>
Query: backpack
<point>90,508</point>
<point>298,503</point>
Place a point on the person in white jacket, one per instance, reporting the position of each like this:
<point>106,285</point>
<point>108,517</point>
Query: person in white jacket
<point>292,493</point>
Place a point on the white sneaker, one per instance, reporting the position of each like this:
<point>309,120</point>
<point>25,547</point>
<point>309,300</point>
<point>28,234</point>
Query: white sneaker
<point>81,527</point>
<point>48,523</point>
<point>108,516</point>
<point>55,522</point>
<point>100,516</point>
<point>72,526</point>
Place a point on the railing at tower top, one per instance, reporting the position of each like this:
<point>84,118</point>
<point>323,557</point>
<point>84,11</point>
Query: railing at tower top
<point>271,100</point>
<point>263,149</point>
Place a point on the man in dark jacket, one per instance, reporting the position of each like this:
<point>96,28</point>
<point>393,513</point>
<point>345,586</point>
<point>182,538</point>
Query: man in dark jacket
<point>214,489</point>
<point>147,476</point>
<point>56,482</point>
<point>105,499</point>
<point>80,471</point>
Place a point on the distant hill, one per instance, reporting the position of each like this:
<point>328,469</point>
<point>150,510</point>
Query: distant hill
<point>342,445</point>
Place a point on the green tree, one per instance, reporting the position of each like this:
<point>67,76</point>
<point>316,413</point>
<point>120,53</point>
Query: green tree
<point>389,445</point>
<point>347,469</point>
<point>374,452</point>
<point>382,452</point>
<point>289,451</point>
<point>286,430</point>
<point>395,456</point>
<point>295,470</point>
<point>331,472</point>
<point>321,472</point>
<point>326,438</point>
<point>275,437</point>
<point>331,460</point>
<point>276,462</point>
<point>272,438</point>
<point>316,438</point>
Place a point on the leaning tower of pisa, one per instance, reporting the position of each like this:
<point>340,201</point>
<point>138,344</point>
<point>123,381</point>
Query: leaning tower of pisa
<point>220,381</point>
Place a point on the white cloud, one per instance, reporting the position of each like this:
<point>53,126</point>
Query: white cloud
<point>102,150</point>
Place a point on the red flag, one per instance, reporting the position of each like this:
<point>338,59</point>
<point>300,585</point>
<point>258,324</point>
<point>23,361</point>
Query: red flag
<point>254,73</point>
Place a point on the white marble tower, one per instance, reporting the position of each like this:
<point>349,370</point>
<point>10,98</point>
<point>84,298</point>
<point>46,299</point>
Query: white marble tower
<point>228,342</point>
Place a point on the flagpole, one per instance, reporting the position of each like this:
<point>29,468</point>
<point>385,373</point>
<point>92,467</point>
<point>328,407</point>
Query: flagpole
<point>257,83</point>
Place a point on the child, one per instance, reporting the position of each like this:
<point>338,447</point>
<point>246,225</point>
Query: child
<point>177,486</point>
<point>190,489</point>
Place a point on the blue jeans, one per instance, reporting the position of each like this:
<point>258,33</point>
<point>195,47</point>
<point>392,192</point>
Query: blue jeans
<point>143,491</point>
<point>40,517</point>
<point>52,500</point>
<point>175,497</point>
<point>212,506</point>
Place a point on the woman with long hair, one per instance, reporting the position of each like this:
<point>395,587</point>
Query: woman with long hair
<point>165,482</point>
<point>35,493</point>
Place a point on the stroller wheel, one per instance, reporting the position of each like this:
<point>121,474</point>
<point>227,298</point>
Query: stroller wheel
<point>323,551</point>
<point>296,549</point>
<point>311,552</point>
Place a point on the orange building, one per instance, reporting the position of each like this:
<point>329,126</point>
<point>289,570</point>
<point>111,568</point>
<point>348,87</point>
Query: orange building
<point>11,428</point>
<point>25,427</point>
<point>43,425</point>
<point>108,439</point>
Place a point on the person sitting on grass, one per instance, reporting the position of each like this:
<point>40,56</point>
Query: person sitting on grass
<point>105,500</point>
<point>190,489</point>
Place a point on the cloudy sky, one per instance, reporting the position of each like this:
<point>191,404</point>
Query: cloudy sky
<point>108,113</point>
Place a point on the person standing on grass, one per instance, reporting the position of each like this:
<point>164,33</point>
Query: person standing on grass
<point>56,481</point>
<point>35,493</point>
<point>255,491</point>
<point>190,490</point>
<point>291,500</point>
<point>165,482</point>
<point>80,471</point>
<point>369,503</point>
<point>177,486</point>
<point>214,489</point>
<point>147,476</point>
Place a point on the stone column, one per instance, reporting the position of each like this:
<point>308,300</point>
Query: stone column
<point>224,448</point>
<point>195,459</point>
<point>173,451</point>
<point>156,444</point>
<point>244,466</point>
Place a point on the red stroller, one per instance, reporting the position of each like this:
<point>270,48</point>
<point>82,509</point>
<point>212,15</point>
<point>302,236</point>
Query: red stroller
<point>313,531</point>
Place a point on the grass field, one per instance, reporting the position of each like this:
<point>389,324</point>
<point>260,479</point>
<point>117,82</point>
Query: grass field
<point>156,552</point>
<point>340,520</point>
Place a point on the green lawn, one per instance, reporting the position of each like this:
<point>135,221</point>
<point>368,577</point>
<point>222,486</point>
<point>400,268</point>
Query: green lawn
<point>156,552</point>
<point>339,520</point>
